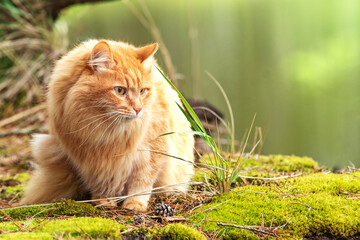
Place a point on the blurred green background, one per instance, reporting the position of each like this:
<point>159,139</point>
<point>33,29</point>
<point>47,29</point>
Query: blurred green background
<point>294,63</point>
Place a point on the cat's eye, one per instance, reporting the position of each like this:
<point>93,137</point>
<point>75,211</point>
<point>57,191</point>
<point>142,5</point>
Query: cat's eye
<point>142,91</point>
<point>120,91</point>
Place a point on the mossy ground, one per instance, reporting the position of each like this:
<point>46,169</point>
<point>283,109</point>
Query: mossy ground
<point>311,205</point>
<point>63,208</point>
<point>85,227</point>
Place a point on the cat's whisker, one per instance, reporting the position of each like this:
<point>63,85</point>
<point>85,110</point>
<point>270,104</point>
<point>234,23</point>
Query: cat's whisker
<point>115,126</point>
<point>96,106</point>
<point>122,111</point>
<point>111,117</point>
<point>100,117</point>
<point>99,140</point>
<point>107,113</point>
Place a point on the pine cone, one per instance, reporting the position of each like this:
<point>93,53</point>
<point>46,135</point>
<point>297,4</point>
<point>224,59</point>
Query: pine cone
<point>139,220</point>
<point>163,210</point>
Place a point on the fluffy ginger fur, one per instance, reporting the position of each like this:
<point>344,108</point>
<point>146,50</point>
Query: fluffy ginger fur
<point>108,106</point>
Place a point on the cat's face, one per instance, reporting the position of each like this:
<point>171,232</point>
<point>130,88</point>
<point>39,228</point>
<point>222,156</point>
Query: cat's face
<point>116,85</point>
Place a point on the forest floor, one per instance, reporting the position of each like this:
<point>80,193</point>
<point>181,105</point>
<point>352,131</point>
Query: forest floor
<point>277,197</point>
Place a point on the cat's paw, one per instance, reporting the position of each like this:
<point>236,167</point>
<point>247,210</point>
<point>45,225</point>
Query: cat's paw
<point>135,205</point>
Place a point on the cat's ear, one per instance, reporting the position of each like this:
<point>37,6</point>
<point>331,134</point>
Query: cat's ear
<point>101,57</point>
<point>146,52</point>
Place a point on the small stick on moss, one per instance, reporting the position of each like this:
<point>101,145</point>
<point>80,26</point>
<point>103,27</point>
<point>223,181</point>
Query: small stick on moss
<point>206,220</point>
<point>209,209</point>
<point>302,203</point>
<point>13,220</point>
<point>353,169</point>
<point>14,198</point>
<point>42,223</point>
<point>86,234</point>
<point>130,229</point>
<point>356,195</point>
<point>274,178</point>
<point>194,208</point>
<point>203,219</point>
<point>246,228</point>
<point>271,223</point>
<point>208,184</point>
<point>240,215</point>
<point>262,230</point>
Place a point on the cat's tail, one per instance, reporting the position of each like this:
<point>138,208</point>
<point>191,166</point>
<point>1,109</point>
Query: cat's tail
<point>53,177</point>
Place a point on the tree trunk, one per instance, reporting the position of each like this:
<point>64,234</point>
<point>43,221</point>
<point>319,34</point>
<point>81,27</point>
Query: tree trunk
<point>55,7</point>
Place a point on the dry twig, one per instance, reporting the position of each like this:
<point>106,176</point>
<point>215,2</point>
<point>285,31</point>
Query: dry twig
<point>260,229</point>
<point>352,195</point>
<point>209,209</point>
<point>22,114</point>
<point>19,225</point>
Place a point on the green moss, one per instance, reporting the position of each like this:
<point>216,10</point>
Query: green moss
<point>96,228</point>
<point>23,177</point>
<point>278,163</point>
<point>63,208</point>
<point>179,231</point>
<point>27,236</point>
<point>74,227</point>
<point>172,231</point>
<point>15,189</point>
<point>310,205</point>
<point>316,183</point>
<point>281,163</point>
<point>260,166</point>
<point>12,190</point>
<point>271,165</point>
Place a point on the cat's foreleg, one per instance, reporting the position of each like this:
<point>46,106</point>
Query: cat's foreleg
<point>53,177</point>
<point>141,181</point>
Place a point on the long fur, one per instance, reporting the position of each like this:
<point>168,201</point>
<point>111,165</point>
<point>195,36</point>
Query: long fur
<point>97,143</point>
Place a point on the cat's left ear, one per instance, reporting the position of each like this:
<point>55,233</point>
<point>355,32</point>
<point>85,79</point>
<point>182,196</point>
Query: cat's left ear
<point>101,57</point>
<point>146,52</point>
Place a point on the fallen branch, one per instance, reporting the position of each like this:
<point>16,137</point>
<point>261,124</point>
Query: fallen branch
<point>21,132</point>
<point>22,114</point>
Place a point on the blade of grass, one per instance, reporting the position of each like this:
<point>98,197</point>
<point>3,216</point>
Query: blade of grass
<point>230,111</point>
<point>186,104</point>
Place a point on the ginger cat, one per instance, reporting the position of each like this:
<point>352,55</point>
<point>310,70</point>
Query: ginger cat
<point>108,105</point>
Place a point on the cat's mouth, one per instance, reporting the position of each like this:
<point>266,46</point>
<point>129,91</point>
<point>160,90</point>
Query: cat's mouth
<point>135,115</point>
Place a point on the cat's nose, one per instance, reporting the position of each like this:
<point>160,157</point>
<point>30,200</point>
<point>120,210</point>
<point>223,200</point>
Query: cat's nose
<point>137,110</point>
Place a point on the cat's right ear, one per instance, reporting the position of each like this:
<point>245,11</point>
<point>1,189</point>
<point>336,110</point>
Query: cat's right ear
<point>101,57</point>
